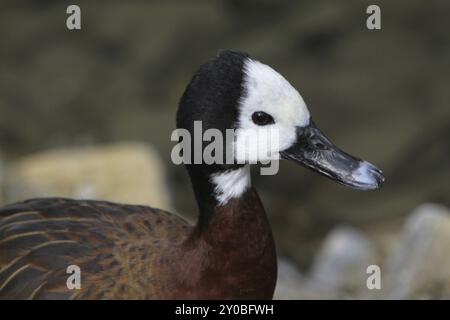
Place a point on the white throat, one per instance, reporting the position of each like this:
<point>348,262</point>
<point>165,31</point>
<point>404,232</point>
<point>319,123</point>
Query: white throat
<point>231,184</point>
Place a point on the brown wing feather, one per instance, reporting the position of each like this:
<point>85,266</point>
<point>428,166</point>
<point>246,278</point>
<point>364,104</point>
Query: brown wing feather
<point>114,245</point>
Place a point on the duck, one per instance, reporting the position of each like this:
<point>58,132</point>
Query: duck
<point>125,251</point>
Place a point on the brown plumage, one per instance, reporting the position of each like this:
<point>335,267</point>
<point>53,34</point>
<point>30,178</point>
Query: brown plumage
<point>113,244</point>
<point>134,252</point>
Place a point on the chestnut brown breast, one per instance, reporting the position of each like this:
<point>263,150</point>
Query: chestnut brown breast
<point>134,252</point>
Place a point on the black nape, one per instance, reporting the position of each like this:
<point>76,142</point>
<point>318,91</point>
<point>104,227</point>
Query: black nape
<point>212,97</point>
<point>213,93</point>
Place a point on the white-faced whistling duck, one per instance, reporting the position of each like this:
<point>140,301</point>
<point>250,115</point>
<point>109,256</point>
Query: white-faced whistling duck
<point>137,252</point>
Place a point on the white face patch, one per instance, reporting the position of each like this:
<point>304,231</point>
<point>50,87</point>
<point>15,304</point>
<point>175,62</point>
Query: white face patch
<point>231,184</point>
<point>268,91</point>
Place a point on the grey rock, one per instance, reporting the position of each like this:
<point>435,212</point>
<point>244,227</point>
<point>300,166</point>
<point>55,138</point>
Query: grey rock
<point>420,266</point>
<point>290,281</point>
<point>339,269</point>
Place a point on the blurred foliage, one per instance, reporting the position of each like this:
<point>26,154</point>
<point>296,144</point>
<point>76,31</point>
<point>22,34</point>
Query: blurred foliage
<point>382,95</point>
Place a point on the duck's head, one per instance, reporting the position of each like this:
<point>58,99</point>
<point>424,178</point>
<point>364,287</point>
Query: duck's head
<point>234,91</point>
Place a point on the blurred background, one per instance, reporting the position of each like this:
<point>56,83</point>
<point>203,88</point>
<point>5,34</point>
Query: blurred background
<point>89,114</point>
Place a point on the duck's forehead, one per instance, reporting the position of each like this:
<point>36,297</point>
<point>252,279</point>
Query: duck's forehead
<point>267,90</point>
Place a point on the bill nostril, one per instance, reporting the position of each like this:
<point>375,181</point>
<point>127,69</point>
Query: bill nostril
<point>320,145</point>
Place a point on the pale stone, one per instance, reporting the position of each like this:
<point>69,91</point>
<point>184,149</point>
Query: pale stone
<point>128,173</point>
<point>340,266</point>
<point>1,182</point>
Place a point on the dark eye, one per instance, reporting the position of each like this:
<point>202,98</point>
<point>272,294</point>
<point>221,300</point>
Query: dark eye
<point>261,118</point>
